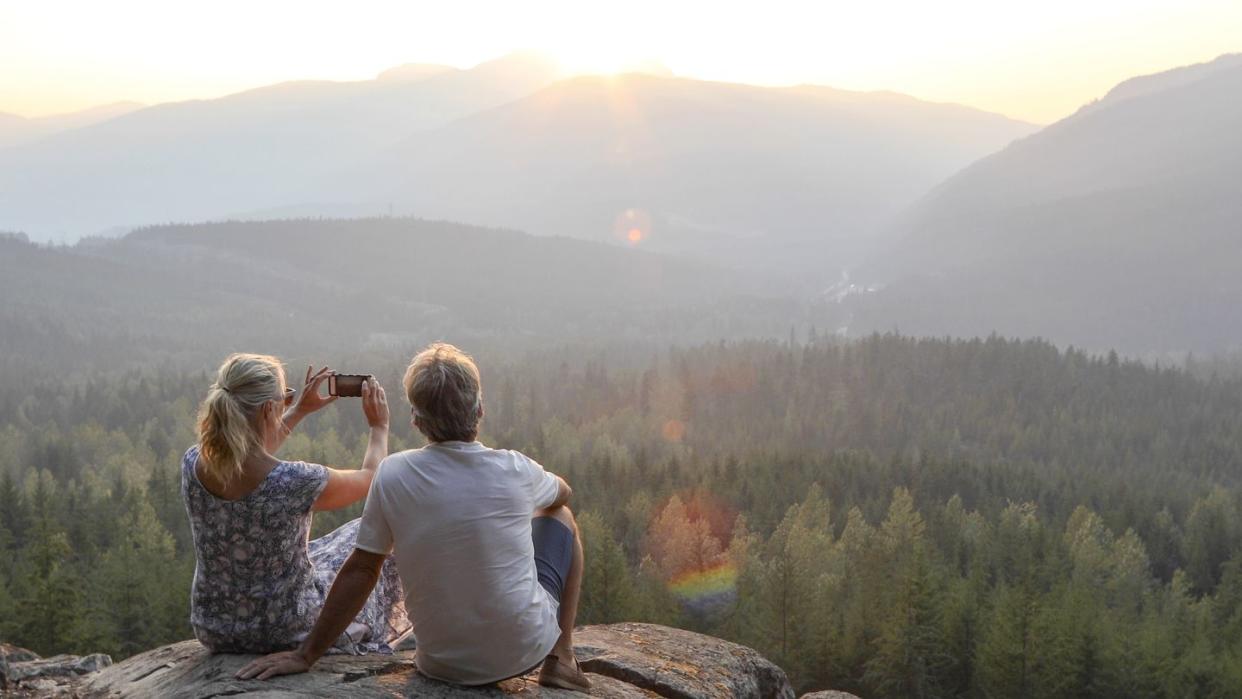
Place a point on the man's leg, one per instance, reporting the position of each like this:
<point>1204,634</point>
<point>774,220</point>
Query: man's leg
<point>563,651</point>
<point>564,648</point>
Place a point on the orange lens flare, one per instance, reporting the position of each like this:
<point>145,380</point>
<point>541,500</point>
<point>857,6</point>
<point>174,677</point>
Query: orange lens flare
<point>632,226</point>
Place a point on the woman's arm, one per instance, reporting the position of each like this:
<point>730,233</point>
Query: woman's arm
<point>308,401</point>
<point>344,488</point>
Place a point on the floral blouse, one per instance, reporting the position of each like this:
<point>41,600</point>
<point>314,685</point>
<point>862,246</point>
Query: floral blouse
<point>258,582</point>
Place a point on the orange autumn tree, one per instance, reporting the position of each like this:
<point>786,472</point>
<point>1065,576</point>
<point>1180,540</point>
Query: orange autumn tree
<point>681,545</point>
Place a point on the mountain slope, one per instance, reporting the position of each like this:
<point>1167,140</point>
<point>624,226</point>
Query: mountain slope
<point>309,285</point>
<point>793,178</point>
<point>207,158</point>
<point>1117,226</point>
<point>16,130</point>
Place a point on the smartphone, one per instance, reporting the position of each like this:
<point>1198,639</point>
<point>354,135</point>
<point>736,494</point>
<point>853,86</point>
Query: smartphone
<point>347,385</point>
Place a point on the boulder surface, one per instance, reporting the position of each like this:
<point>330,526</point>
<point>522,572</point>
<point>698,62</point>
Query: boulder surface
<point>622,660</point>
<point>23,672</point>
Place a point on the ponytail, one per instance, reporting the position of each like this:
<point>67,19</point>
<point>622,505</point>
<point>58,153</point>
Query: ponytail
<point>227,431</point>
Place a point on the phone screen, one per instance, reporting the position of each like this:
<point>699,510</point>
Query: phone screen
<point>346,384</point>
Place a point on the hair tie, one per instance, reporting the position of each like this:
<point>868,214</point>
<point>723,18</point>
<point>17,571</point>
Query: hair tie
<point>224,388</point>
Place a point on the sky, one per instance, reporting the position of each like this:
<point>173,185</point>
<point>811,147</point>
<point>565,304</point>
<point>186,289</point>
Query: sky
<point>1037,61</point>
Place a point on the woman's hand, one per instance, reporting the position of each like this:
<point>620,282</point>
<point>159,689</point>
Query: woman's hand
<point>375,404</point>
<point>309,399</point>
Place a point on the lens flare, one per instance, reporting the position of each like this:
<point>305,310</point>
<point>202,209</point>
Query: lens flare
<point>703,589</point>
<point>632,226</point>
<point>688,541</point>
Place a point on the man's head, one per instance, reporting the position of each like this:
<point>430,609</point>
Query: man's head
<point>442,384</point>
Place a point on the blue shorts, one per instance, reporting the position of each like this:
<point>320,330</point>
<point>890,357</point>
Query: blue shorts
<point>554,553</point>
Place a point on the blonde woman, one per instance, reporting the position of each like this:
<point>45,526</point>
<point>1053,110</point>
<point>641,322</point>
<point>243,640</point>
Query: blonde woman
<point>258,583</point>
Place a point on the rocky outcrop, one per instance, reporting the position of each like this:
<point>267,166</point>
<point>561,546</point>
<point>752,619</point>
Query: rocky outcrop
<point>23,672</point>
<point>622,660</point>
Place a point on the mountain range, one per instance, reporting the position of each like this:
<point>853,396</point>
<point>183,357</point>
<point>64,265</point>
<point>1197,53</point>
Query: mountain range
<point>206,159</point>
<point>729,173</point>
<point>1118,226</point>
<point>789,180</point>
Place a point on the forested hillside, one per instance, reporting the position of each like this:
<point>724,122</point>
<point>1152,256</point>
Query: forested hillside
<point>185,295</point>
<point>892,516</point>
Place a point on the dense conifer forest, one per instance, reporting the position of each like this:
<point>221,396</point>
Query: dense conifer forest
<point>892,516</point>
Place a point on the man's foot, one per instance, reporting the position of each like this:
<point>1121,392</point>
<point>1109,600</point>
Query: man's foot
<point>555,673</point>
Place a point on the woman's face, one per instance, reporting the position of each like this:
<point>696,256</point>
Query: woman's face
<point>271,417</point>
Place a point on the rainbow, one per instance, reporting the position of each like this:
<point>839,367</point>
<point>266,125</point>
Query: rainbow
<point>703,589</point>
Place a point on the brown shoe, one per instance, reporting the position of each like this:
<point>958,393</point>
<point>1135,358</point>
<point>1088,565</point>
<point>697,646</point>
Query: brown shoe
<point>554,673</point>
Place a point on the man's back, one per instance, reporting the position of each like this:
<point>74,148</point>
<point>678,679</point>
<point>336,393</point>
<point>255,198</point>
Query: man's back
<point>457,516</point>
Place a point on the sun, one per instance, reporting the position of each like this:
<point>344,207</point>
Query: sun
<point>602,58</point>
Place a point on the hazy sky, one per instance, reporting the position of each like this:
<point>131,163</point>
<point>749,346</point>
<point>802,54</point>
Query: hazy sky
<point>1033,60</point>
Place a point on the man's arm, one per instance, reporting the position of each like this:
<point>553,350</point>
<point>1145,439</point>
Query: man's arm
<point>563,493</point>
<point>349,592</point>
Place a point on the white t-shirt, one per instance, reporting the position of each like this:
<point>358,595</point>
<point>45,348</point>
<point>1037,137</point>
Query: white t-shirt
<point>457,515</point>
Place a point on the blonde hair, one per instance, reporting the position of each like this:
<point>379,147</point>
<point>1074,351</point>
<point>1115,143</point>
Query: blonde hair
<point>442,384</point>
<point>227,432</point>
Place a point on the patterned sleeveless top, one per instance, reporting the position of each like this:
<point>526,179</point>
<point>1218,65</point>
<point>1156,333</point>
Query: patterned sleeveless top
<point>258,583</point>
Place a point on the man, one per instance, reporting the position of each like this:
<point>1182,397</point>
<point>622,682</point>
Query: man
<point>489,554</point>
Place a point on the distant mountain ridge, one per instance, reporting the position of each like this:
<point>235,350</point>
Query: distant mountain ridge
<point>204,159</point>
<point>1148,84</point>
<point>1115,227</point>
<point>792,179</point>
<point>730,173</point>
<point>297,285</point>
<point>16,130</point>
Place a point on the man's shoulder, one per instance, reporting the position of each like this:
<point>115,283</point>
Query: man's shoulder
<point>398,460</point>
<point>403,462</point>
<point>431,458</point>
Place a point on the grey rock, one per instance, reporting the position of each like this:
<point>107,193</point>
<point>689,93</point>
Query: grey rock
<point>623,661</point>
<point>828,694</point>
<point>9,654</point>
<point>92,663</point>
<point>56,666</point>
<point>16,654</point>
<point>679,664</point>
<point>43,687</point>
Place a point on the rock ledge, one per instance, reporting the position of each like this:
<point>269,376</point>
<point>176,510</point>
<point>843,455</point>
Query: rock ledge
<point>622,660</point>
<point>23,672</point>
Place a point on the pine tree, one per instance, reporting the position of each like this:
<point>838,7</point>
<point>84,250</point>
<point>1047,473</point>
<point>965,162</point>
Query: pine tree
<point>909,656</point>
<point>607,585</point>
<point>795,561</point>
<point>1211,535</point>
<point>139,611</point>
<point>1003,656</point>
<point>654,603</point>
<point>47,593</point>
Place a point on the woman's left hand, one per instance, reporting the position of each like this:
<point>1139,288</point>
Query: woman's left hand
<point>309,399</point>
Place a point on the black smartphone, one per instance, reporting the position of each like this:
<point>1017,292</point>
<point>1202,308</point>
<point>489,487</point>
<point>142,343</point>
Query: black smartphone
<point>347,385</point>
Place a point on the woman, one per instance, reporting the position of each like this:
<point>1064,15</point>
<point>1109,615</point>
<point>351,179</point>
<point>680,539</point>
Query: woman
<point>258,584</point>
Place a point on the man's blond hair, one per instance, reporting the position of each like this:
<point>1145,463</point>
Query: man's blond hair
<point>442,384</point>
